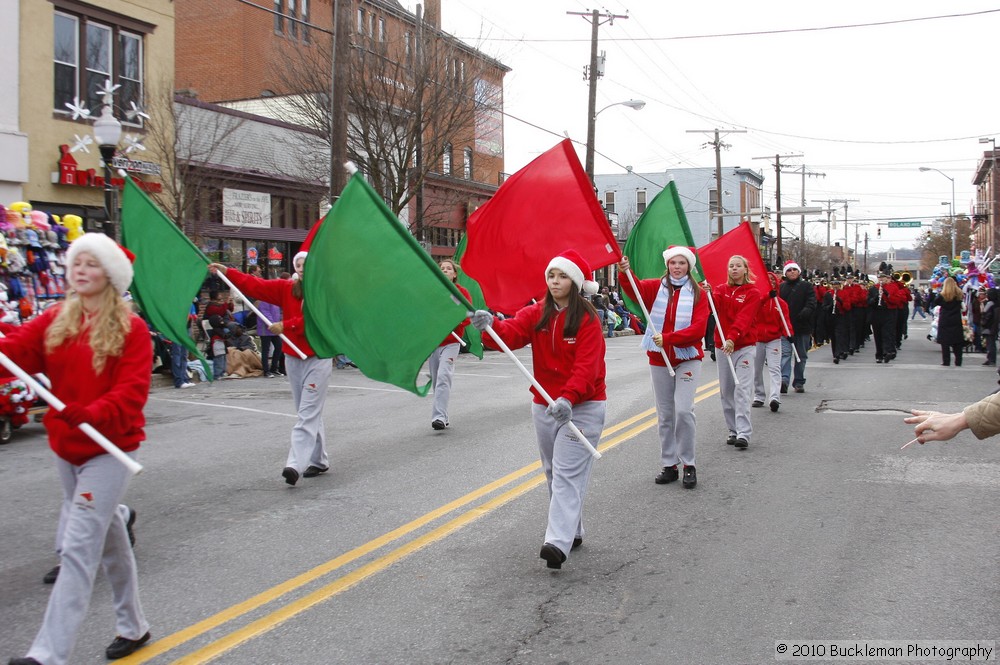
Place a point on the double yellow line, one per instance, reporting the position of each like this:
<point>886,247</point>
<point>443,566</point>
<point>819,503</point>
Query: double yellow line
<point>619,432</point>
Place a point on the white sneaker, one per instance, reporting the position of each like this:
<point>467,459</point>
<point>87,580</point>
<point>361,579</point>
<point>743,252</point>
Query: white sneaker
<point>187,385</point>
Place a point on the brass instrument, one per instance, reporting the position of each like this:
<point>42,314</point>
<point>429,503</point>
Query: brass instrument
<point>879,303</point>
<point>906,278</point>
<point>895,276</point>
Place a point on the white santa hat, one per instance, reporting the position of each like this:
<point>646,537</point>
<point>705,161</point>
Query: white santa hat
<point>300,255</point>
<point>115,259</point>
<point>576,268</point>
<point>679,250</point>
<point>790,265</point>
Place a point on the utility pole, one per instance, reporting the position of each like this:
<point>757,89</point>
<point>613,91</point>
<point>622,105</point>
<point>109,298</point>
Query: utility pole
<point>847,255</point>
<point>341,50</point>
<point>418,65</point>
<point>596,18</point>
<point>829,221</point>
<point>718,144</point>
<point>802,219</point>
<point>777,196</point>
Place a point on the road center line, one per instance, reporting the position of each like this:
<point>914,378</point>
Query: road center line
<point>290,610</point>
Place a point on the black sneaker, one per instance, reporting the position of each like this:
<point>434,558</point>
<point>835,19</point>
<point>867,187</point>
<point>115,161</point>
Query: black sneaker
<point>800,389</point>
<point>51,576</point>
<point>741,443</point>
<point>690,478</point>
<point>314,471</point>
<point>774,405</point>
<point>122,646</point>
<point>577,542</point>
<point>23,661</point>
<point>757,404</point>
<point>784,388</point>
<point>553,556</point>
<point>439,424</point>
<point>731,441</point>
<point>290,475</point>
<point>668,475</point>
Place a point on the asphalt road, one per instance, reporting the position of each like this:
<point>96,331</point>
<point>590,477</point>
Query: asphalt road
<point>422,546</point>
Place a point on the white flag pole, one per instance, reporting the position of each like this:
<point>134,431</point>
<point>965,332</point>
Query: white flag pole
<point>541,391</point>
<point>256,311</point>
<point>649,320</point>
<point>59,405</point>
<point>459,339</point>
<point>722,335</point>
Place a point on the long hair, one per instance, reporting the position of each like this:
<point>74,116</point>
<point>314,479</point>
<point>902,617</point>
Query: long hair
<point>697,287</point>
<point>454,266</point>
<point>748,279</point>
<point>950,290</point>
<point>108,328</point>
<point>577,311</point>
<point>297,289</point>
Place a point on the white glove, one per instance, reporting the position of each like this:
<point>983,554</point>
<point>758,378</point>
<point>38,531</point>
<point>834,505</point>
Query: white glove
<point>480,319</point>
<point>561,410</point>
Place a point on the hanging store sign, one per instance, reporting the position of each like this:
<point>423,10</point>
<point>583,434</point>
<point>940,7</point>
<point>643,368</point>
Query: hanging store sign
<point>243,208</point>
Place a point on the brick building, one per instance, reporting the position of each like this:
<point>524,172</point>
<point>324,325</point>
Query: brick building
<point>461,164</point>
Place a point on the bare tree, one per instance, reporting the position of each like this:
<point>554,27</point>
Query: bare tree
<point>408,101</point>
<point>192,143</point>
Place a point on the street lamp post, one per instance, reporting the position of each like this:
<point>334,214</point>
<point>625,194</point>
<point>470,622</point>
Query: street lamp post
<point>952,210</point>
<point>636,104</point>
<point>107,132</point>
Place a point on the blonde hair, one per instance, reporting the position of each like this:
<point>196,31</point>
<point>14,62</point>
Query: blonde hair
<point>749,278</point>
<point>108,328</point>
<point>454,265</point>
<point>950,290</point>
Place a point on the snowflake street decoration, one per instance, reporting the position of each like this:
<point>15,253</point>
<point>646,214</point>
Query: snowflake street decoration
<point>136,112</point>
<point>81,143</point>
<point>77,108</point>
<point>132,143</point>
<point>107,91</point>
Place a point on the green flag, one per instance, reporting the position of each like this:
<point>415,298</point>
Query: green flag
<point>372,293</point>
<point>472,336</point>
<point>662,224</point>
<point>169,269</point>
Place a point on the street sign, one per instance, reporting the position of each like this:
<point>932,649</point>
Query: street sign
<point>904,225</point>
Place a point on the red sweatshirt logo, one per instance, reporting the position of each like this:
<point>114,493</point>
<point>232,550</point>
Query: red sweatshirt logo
<point>88,496</point>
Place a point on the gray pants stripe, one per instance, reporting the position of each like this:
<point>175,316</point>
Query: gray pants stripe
<point>567,464</point>
<point>442,367</point>
<point>676,422</point>
<point>736,399</point>
<point>94,534</point>
<point>310,379</point>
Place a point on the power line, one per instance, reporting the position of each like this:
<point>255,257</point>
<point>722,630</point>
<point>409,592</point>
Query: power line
<point>847,26</point>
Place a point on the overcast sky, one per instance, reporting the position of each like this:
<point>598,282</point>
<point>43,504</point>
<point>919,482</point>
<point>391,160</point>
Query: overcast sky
<point>866,106</point>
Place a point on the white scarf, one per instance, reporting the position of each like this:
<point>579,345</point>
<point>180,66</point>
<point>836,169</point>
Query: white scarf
<point>682,317</point>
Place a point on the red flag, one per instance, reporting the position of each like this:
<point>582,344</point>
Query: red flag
<point>714,257</point>
<point>545,208</point>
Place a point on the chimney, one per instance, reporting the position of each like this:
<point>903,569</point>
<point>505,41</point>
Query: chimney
<point>432,13</point>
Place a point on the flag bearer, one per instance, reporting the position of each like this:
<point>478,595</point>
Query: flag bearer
<point>678,311</point>
<point>97,354</point>
<point>442,361</point>
<point>567,350</point>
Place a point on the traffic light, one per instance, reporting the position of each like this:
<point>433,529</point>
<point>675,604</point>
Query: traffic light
<point>878,232</point>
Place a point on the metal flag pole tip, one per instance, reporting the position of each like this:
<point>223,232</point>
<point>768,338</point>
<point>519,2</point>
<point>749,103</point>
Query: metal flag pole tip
<point>351,167</point>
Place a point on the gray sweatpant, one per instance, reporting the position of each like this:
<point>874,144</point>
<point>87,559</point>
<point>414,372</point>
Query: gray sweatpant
<point>674,396</point>
<point>736,399</point>
<point>309,379</point>
<point>567,464</point>
<point>94,535</point>
<point>769,353</point>
<point>442,367</point>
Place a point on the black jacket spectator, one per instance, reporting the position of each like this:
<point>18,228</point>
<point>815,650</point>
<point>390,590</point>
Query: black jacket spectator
<point>801,298</point>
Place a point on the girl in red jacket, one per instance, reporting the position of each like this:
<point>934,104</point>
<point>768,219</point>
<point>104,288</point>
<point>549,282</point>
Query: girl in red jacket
<point>442,361</point>
<point>567,351</point>
<point>309,378</point>
<point>97,355</point>
<point>737,302</point>
<point>770,329</point>
<point>678,311</point>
